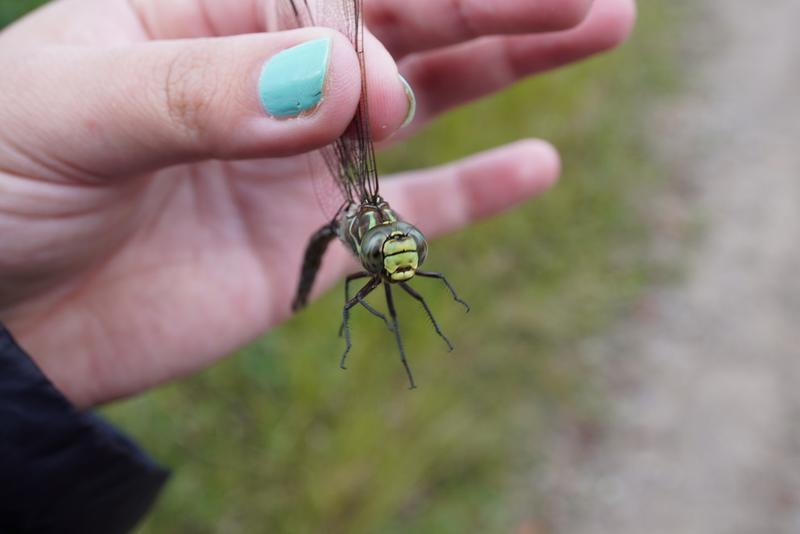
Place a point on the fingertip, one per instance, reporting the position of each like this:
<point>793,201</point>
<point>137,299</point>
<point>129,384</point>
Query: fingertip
<point>388,101</point>
<point>506,176</point>
<point>479,186</point>
<point>539,164</point>
<point>390,97</point>
<point>616,19</point>
<point>286,132</point>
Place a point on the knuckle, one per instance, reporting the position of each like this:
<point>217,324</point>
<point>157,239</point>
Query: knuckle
<point>190,87</point>
<point>568,14</point>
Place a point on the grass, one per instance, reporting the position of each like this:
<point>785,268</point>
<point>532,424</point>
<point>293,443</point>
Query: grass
<point>277,439</point>
<point>11,10</point>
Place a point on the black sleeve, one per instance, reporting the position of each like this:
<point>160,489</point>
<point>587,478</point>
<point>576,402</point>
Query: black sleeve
<point>63,470</point>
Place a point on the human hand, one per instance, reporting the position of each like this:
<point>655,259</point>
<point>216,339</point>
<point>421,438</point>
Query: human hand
<point>141,237</point>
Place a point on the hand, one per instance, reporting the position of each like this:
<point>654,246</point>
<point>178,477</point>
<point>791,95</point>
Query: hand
<point>142,240</point>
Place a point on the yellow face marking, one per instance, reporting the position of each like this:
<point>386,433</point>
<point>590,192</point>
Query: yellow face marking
<point>396,246</point>
<point>402,276</point>
<point>400,258</point>
<point>402,266</point>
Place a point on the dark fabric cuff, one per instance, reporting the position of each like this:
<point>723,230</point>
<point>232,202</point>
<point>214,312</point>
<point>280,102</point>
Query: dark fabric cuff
<point>63,470</point>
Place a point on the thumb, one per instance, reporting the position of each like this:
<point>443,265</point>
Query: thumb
<point>125,110</point>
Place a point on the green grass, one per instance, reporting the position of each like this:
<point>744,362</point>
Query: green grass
<point>11,10</point>
<point>278,439</point>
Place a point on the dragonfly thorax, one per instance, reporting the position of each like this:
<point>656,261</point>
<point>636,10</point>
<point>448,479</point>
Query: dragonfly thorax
<point>384,244</point>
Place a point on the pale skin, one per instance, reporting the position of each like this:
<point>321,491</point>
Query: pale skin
<point>153,217</point>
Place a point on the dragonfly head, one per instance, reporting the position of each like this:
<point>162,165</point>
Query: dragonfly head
<point>394,250</point>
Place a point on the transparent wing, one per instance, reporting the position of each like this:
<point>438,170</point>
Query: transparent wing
<point>350,160</point>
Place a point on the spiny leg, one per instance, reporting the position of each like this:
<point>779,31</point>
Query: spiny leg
<point>408,289</point>
<point>441,277</point>
<point>316,248</point>
<point>393,315</point>
<point>361,295</point>
<point>364,303</point>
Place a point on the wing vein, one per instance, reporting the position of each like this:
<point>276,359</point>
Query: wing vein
<point>350,160</point>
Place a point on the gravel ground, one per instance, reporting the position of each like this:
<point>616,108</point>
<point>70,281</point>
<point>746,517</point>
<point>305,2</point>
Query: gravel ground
<point>704,382</point>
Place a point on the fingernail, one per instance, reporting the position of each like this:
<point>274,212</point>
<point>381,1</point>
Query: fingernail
<point>292,81</point>
<point>412,102</point>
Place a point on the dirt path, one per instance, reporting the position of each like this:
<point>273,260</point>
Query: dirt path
<point>704,434</point>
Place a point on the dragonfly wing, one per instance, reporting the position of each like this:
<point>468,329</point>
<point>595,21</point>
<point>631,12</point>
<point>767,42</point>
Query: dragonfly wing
<point>350,160</point>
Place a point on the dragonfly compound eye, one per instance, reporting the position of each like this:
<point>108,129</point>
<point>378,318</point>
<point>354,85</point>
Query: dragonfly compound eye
<point>371,253</point>
<point>422,244</point>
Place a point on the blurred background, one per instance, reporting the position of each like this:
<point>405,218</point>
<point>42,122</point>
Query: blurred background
<point>628,364</point>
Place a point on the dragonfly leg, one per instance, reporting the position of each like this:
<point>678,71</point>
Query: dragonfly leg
<point>441,277</point>
<point>364,303</point>
<point>408,289</point>
<point>361,295</point>
<point>316,248</point>
<point>393,315</point>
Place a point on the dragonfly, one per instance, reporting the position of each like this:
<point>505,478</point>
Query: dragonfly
<point>391,251</point>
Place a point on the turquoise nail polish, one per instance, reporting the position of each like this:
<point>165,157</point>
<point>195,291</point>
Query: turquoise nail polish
<point>292,81</point>
<point>412,102</point>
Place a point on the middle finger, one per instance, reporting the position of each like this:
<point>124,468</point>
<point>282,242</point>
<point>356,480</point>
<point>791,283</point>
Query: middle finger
<point>407,26</point>
<point>455,75</point>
